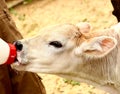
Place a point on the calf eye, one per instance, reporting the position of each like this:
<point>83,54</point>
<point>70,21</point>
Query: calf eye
<point>56,44</point>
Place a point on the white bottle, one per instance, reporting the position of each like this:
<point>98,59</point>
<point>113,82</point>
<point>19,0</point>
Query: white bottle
<point>8,52</point>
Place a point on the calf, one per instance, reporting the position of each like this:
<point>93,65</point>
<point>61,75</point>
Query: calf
<point>71,51</point>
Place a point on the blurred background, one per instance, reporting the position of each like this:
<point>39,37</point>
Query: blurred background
<point>32,15</point>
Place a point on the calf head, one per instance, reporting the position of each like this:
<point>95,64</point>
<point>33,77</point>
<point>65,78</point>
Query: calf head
<point>71,51</point>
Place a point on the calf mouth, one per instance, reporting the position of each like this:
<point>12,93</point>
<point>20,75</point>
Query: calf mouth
<point>21,57</point>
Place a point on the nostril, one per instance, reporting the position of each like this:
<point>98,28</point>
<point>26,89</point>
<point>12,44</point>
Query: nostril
<point>18,45</point>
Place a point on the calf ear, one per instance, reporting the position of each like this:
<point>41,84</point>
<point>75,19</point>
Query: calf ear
<point>96,47</point>
<point>116,27</point>
<point>84,27</point>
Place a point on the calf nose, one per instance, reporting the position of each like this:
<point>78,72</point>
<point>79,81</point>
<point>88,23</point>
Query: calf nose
<point>18,45</point>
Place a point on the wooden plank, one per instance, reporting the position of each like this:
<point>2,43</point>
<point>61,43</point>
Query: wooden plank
<point>14,3</point>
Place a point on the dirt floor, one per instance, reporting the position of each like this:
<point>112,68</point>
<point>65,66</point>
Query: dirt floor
<point>30,18</point>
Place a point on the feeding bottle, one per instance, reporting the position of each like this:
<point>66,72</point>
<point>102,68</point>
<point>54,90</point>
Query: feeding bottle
<point>8,52</point>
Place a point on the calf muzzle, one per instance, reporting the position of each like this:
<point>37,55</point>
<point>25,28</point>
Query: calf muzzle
<point>18,45</point>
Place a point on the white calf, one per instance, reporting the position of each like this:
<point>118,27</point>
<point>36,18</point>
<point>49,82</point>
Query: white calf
<point>71,51</point>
